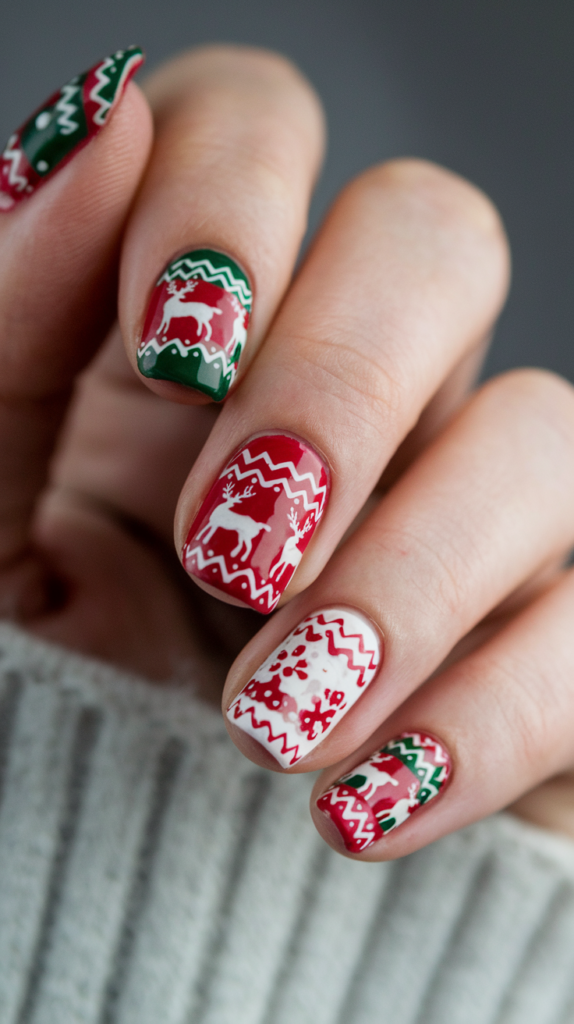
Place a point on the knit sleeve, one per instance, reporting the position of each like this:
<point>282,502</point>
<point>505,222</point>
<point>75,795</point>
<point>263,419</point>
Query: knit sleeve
<point>149,874</point>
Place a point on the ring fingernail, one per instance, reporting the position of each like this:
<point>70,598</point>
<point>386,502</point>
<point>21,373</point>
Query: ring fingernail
<point>196,324</point>
<point>259,516</point>
<point>308,683</point>
<point>381,793</point>
<point>65,123</point>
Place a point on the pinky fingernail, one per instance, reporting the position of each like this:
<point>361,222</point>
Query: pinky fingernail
<point>63,125</point>
<point>381,793</point>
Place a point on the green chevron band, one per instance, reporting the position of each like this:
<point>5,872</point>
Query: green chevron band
<point>429,775</point>
<point>55,130</point>
<point>215,268</point>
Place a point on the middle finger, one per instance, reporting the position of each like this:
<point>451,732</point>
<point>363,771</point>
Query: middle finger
<point>406,276</point>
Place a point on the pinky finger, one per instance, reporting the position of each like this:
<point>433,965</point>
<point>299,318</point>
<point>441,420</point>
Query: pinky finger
<point>487,730</point>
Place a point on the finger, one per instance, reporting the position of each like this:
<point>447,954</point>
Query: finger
<point>503,721</point>
<point>220,217</point>
<point>484,509</point>
<point>120,438</point>
<point>406,277</point>
<point>57,283</point>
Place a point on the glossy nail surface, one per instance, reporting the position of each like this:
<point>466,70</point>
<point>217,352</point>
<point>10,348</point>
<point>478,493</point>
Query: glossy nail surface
<point>308,683</point>
<point>380,794</point>
<point>254,525</point>
<point>196,324</point>
<point>63,125</point>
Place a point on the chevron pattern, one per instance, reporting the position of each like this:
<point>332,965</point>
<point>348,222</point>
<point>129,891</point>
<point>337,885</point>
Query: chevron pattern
<point>308,683</point>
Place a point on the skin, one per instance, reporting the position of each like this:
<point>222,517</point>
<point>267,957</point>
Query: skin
<point>451,512</point>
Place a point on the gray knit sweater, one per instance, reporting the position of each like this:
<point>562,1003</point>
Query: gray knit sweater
<point>149,874</point>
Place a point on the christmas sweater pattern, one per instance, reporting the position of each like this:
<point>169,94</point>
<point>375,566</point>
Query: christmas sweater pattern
<point>256,521</point>
<point>63,125</point>
<point>196,324</point>
<point>382,793</point>
<point>304,688</point>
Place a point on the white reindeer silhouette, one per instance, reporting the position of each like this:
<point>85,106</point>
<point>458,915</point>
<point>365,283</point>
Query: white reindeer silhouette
<point>175,307</point>
<point>222,518</point>
<point>290,554</point>
<point>402,808</point>
<point>239,333</point>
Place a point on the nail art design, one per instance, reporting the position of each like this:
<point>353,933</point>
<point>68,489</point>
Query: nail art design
<point>66,122</point>
<point>308,684</point>
<point>254,525</point>
<point>196,323</point>
<point>378,795</point>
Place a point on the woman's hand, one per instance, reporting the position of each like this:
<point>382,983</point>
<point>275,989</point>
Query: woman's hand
<point>411,534</point>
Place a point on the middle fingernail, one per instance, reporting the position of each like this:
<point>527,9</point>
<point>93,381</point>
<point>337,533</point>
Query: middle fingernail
<point>196,324</point>
<point>308,683</point>
<point>256,521</point>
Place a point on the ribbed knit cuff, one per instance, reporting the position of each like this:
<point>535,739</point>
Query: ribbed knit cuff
<point>151,874</point>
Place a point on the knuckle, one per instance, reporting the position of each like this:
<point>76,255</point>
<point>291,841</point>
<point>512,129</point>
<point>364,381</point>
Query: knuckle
<point>334,362</point>
<point>540,400</point>
<point>436,194</point>
<point>519,694</point>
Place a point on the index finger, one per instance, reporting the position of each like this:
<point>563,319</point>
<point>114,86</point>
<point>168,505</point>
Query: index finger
<point>216,230</point>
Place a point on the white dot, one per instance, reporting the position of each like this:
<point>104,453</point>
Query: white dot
<point>296,501</point>
<point>235,566</point>
<point>41,165</point>
<point>244,585</point>
<point>210,554</point>
<point>196,353</point>
<point>276,488</point>
<point>43,120</point>
<point>253,479</point>
<point>260,600</point>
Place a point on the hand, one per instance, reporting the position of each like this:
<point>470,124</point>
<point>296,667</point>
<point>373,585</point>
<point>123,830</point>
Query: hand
<point>427,526</point>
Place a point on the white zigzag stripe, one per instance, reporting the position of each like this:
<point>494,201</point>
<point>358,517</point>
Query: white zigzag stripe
<point>67,109</point>
<point>14,156</point>
<point>186,268</point>
<point>186,350</point>
<point>348,814</point>
<point>299,477</point>
<point>105,106</point>
<point>102,80</point>
<point>314,506</point>
<point>228,577</point>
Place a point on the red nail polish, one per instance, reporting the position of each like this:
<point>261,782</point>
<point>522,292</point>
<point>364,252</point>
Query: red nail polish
<point>65,123</point>
<point>381,793</point>
<point>259,516</point>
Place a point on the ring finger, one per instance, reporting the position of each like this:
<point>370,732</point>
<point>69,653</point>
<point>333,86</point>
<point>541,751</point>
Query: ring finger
<point>485,507</point>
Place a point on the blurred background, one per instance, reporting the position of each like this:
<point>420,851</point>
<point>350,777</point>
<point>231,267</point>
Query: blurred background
<point>485,88</point>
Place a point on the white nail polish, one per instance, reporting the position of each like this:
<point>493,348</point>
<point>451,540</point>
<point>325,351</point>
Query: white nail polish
<point>308,683</point>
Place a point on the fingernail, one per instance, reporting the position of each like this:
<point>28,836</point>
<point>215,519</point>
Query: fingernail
<point>63,125</point>
<point>196,324</point>
<point>307,685</point>
<point>378,795</point>
<point>259,516</point>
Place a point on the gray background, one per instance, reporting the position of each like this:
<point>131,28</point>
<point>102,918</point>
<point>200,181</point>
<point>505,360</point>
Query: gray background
<point>482,86</point>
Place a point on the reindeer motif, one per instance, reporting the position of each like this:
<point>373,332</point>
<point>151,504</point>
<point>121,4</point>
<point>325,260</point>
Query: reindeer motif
<point>223,518</point>
<point>175,307</point>
<point>290,554</point>
<point>239,333</point>
<point>401,810</point>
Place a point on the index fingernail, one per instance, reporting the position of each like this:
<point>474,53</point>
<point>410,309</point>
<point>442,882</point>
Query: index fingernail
<point>196,323</point>
<point>68,120</point>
